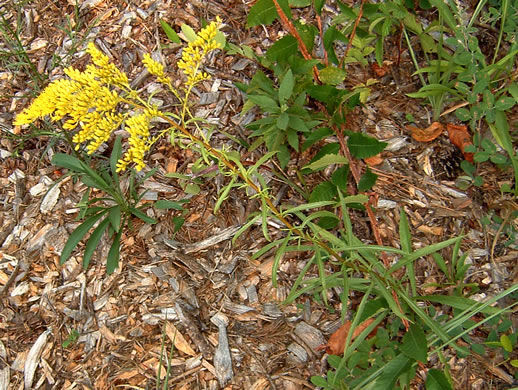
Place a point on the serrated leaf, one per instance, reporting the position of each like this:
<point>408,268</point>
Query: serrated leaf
<point>278,50</point>
<point>332,75</point>
<point>322,192</point>
<point>112,261</point>
<point>93,241</point>
<point>436,380</point>
<point>327,160</point>
<point>77,235</point>
<point>392,371</point>
<point>189,33</point>
<point>367,180</point>
<point>264,12</point>
<point>414,344</point>
<point>169,32</point>
<point>363,146</point>
<point>315,136</point>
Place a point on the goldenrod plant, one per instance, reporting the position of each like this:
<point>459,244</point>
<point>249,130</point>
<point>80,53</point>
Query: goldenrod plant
<point>95,102</point>
<point>91,100</point>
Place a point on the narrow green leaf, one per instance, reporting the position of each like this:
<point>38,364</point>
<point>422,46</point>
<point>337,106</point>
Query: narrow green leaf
<point>164,204</point>
<point>327,160</point>
<point>115,217</point>
<point>171,34</point>
<point>93,241</point>
<point>461,303</point>
<point>116,155</point>
<point>68,162</point>
<point>363,146</point>
<point>414,344</point>
<point>112,261</point>
<point>141,215</point>
<point>77,235</point>
<point>286,87</point>
<point>436,380</point>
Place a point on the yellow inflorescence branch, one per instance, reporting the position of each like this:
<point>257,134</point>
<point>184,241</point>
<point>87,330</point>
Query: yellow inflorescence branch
<point>89,100</point>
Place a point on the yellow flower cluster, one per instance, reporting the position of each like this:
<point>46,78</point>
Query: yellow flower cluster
<point>140,141</point>
<point>85,100</point>
<point>194,54</point>
<point>88,100</point>
<point>156,69</point>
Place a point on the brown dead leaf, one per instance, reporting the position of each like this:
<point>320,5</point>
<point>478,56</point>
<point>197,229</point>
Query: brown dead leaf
<point>379,71</point>
<point>434,230</point>
<point>336,343</point>
<point>179,341</point>
<point>459,136</point>
<point>373,161</point>
<point>428,134</point>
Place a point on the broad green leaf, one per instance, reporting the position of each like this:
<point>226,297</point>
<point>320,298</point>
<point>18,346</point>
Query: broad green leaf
<point>322,192</point>
<point>506,343</point>
<point>414,344</point>
<point>319,4</point>
<point>327,160</point>
<point>189,33</point>
<point>68,162</point>
<point>504,103</point>
<point>264,102</point>
<point>141,215</point>
<point>363,146</point>
<point>332,75</point>
<point>367,180</point>
<point>513,90</point>
<point>164,204</point>
<point>315,136</point>
<point>114,217</point>
<point>319,381</point>
<point>436,380</point>
<point>340,177</point>
<point>112,262</point>
<point>392,371</point>
<point>78,234</point>
<point>264,12</point>
<point>286,87</point>
<point>171,34</point>
<point>282,121</point>
<point>299,3</point>
<point>192,189</point>
<point>278,50</point>
<point>93,241</point>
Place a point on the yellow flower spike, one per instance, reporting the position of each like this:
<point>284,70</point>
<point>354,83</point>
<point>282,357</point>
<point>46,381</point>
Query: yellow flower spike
<point>156,69</point>
<point>194,54</point>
